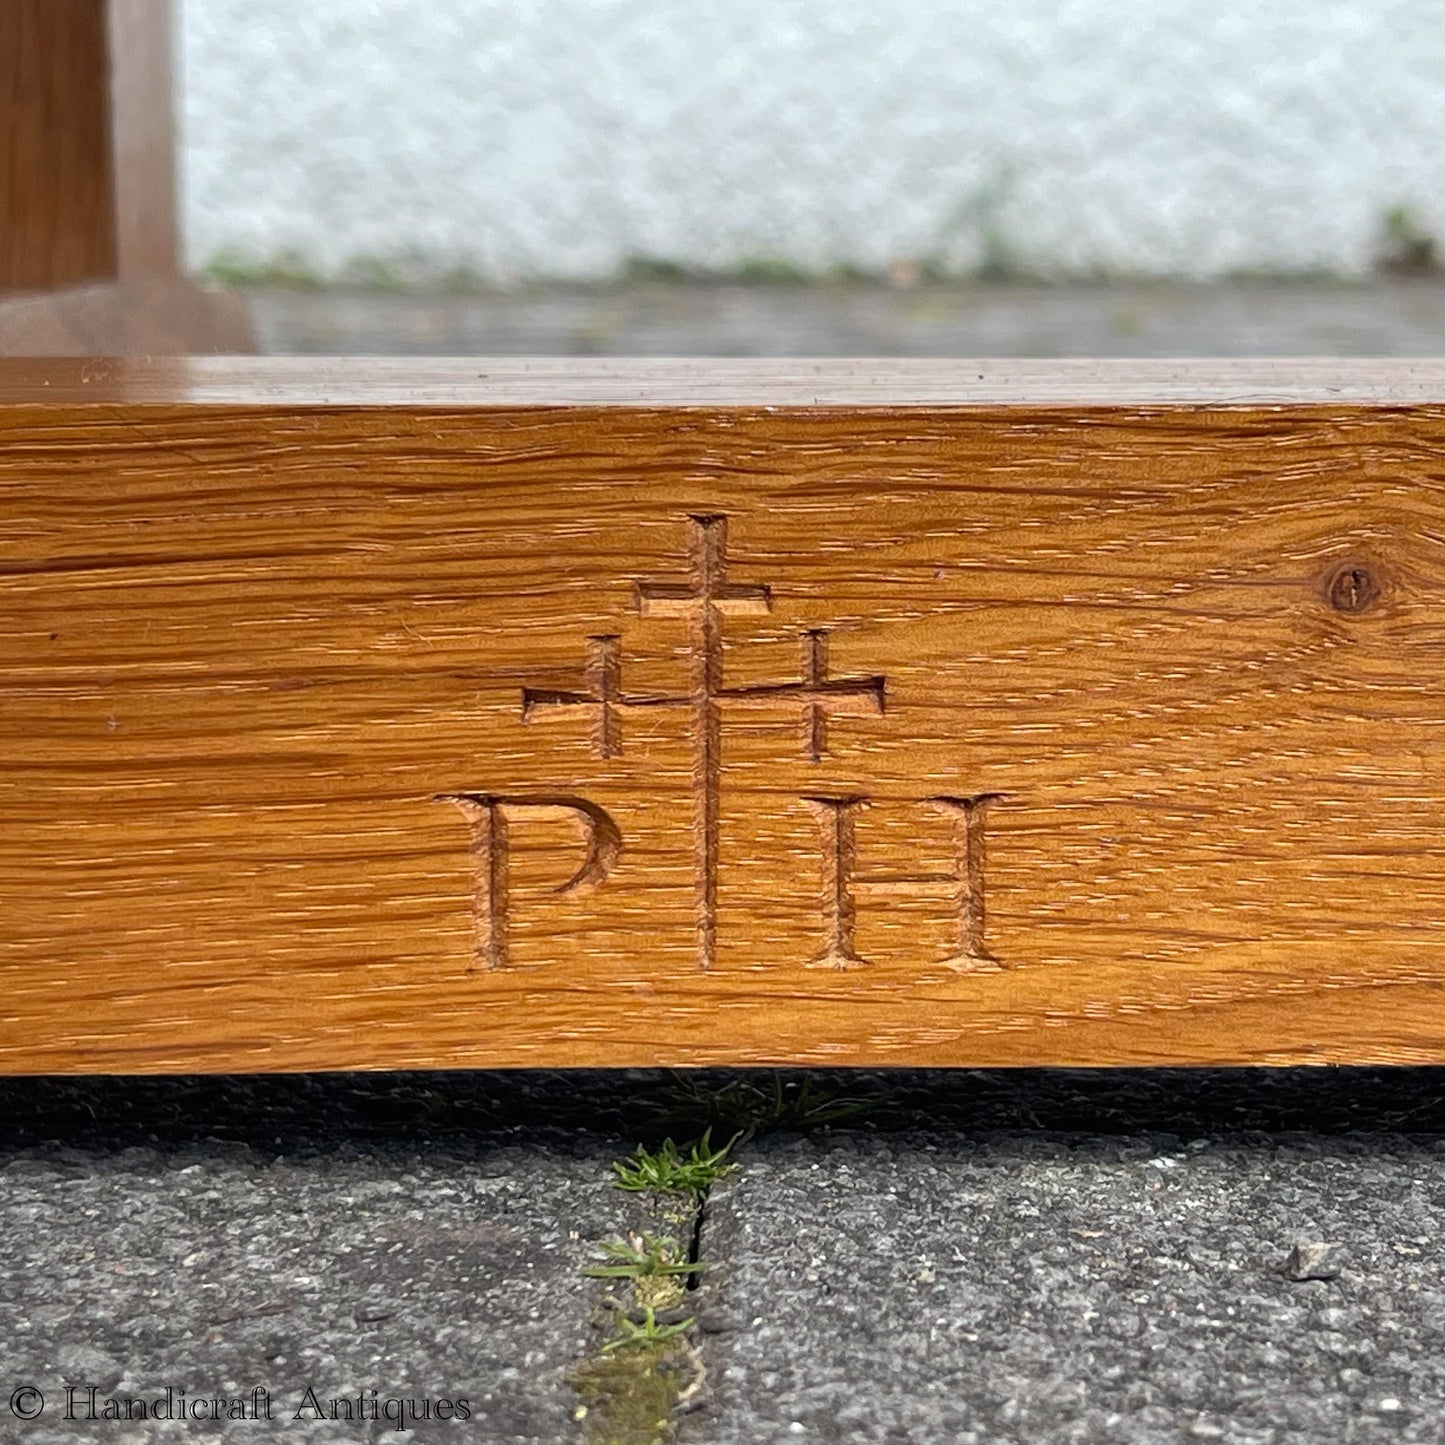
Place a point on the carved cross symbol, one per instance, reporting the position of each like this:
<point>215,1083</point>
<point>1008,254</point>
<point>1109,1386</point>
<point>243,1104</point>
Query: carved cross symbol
<point>602,699</point>
<point>704,599</point>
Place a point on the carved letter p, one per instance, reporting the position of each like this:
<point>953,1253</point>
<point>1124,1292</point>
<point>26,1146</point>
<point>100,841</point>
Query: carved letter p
<point>489,816</point>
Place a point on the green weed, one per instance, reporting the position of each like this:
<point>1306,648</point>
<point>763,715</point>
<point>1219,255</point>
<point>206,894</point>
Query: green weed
<point>753,1105</point>
<point>632,1333</point>
<point>642,1256</point>
<point>668,1170</point>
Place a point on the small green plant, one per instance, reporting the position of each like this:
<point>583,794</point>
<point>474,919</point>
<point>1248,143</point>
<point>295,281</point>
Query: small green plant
<point>647,1332</point>
<point>772,271</point>
<point>1409,248</point>
<point>284,269</point>
<point>642,270</point>
<point>642,1256</point>
<point>668,1170</point>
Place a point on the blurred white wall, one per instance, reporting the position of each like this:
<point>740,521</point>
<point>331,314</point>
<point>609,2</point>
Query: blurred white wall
<point>561,137</point>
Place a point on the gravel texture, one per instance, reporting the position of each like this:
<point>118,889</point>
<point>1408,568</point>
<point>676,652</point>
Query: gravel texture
<point>1051,1288</point>
<point>418,1269</point>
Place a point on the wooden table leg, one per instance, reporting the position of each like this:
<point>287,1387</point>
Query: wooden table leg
<point>88,239</point>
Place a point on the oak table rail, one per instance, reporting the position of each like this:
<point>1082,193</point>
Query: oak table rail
<point>495,713</point>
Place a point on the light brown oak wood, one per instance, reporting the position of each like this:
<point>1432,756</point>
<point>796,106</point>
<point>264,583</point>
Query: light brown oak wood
<point>373,714</point>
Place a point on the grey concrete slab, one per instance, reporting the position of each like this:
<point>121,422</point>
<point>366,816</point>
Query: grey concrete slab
<point>217,1268</point>
<point>1395,317</point>
<point>1041,1288</point>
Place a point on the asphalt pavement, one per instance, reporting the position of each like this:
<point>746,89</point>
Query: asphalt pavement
<point>920,1256</point>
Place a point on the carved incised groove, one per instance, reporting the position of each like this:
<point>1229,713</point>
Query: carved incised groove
<point>488,816</point>
<point>603,698</point>
<point>703,600</point>
<point>840,913</point>
<point>840,880</point>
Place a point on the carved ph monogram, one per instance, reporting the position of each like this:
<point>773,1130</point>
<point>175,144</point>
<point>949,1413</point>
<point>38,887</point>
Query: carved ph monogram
<point>702,600</point>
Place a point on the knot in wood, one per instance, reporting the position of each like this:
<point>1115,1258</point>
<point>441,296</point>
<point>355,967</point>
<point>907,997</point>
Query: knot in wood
<point>1352,588</point>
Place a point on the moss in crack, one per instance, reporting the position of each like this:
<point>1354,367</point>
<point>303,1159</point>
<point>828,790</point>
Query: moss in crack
<point>646,1370</point>
<point>631,1392</point>
<point>657,1267</point>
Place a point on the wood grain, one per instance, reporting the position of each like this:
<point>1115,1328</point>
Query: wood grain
<point>88,247</point>
<point>708,714</point>
<point>57,178</point>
